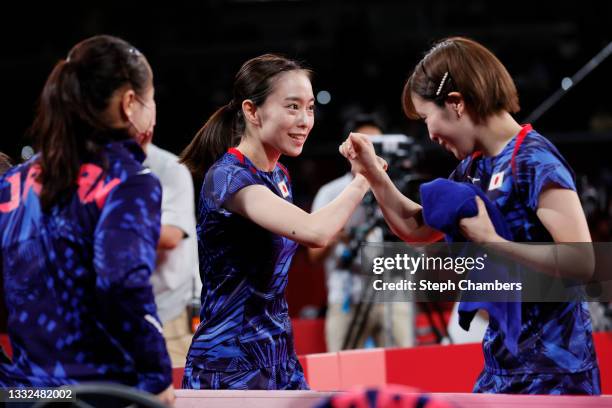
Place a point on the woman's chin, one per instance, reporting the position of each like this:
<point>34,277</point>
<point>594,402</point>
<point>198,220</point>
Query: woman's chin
<point>459,155</point>
<point>293,151</point>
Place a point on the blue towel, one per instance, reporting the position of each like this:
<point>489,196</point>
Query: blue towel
<point>445,203</point>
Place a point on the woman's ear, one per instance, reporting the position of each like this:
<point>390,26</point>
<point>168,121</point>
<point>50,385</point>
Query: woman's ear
<point>121,107</point>
<point>249,111</point>
<point>456,102</point>
<point>128,98</point>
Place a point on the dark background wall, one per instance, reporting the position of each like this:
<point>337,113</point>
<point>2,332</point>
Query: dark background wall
<point>361,52</point>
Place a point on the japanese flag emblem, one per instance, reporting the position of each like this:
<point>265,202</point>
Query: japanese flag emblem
<point>496,180</point>
<point>283,189</point>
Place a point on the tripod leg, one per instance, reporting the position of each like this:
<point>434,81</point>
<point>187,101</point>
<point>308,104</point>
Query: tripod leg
<point>370,294</point>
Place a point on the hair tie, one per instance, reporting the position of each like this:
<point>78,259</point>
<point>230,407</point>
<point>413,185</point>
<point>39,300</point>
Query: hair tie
<point>232,105</point>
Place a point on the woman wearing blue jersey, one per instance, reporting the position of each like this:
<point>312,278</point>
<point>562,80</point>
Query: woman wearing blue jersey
<point>79,225</point>
<point>466,97</point>
<point>248,228</point>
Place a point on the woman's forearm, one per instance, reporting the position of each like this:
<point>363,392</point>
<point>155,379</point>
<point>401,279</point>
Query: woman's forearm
<point>333,217</point>
<point>403,215</point>
<point>555,259</point>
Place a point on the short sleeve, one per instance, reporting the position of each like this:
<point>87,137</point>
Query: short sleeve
<point>539,167</point>
<point>224,180</point>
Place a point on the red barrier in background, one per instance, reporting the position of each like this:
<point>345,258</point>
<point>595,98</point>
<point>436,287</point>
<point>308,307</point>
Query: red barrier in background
<point>306,286</point>
<point>309,336</point>
<point>452,368</point>
<point>603,348</point>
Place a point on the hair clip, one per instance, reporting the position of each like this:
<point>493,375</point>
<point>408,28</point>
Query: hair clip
<point>134,51</point>
<point>442,83</point>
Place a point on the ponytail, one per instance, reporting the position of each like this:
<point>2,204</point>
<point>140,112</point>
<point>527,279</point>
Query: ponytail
<point>56,119</point>
<point>220,132</point>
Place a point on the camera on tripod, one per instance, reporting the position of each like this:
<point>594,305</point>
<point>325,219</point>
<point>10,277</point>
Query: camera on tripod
<point>403,157</point>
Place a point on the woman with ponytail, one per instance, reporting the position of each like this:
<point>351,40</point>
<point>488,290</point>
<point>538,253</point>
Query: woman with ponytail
<point>79,224</point>
<point>248,228</point>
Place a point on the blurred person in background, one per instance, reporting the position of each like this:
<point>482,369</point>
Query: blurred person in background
<point>176,279</point>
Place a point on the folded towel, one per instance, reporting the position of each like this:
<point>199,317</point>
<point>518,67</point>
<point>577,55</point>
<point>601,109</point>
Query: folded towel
<point>445,203</point>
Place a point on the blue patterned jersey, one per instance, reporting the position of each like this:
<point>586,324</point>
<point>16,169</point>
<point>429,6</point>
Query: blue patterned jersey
<point>76,279</point>
<point>244,317</point>
<point>554,337</point>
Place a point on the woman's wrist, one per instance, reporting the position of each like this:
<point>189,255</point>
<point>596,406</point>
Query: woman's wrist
<point>375,176</point>
<point>494,240</point>
<point>361,182</point>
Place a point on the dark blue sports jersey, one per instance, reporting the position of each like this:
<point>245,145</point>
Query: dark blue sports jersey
<point>76,279</point>
<point>555,338</point>
<point>245,333</point>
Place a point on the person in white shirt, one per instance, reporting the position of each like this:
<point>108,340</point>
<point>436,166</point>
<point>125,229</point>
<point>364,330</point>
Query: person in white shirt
<point>176,280</point>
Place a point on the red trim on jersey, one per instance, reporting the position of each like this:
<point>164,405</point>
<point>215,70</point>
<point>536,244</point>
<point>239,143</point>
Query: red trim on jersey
<point>237,153</point>
<point>476,154</point>
<point>519,140</point>
<point>284,169</point>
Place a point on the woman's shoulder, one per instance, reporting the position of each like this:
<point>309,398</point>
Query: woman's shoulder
<point>122,159</point>
<point>536,149</point>
<point>228,165</point>
<point>227,176</point>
